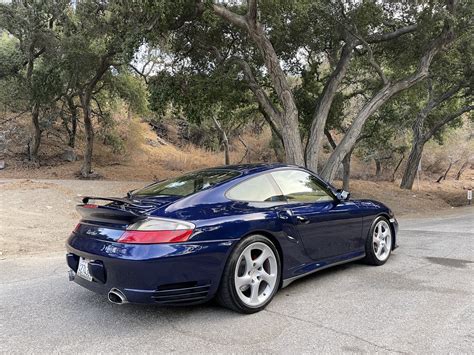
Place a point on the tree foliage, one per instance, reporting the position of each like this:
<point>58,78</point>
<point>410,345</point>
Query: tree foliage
<point>350,72</point>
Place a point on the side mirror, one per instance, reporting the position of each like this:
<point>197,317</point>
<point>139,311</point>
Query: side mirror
<point>343,195</point>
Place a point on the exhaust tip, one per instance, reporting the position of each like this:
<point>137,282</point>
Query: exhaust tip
<point>116,296</point>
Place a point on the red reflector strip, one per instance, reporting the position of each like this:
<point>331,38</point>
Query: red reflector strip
<point>90,205</point>
<point>155,237</point>
<point>77,228</point>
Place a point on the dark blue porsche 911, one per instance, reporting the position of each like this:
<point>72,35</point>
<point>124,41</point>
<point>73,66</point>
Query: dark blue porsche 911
<point>237,233</point>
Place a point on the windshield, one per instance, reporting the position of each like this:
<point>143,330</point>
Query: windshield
<point>187,184</point>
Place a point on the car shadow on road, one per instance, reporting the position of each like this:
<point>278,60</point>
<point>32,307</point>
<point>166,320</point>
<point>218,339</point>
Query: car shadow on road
<point>175,312</point>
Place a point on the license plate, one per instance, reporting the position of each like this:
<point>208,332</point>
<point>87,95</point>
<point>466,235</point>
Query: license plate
<point>83,269</point>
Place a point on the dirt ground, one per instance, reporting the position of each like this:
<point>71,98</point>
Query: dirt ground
<point>36,216</point>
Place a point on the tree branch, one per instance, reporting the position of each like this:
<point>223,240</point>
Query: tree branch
<point>262,97</point>
<point>331,141</point>
<point>432,103</point>
<point>446,120</point>
<point>373,62</point>
<point>271,123</point>
<point>232,17</point>
<point>100,113</point>
<point>272,62</point>
<point>377,38</point>
<point>436,101</point>
<point>141,74</point>
<point>252,11</point>
<point>444,39</point>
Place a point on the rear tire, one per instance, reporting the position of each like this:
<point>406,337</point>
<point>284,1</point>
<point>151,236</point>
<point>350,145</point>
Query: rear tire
<point>378,246</point>
<point>251,276</point>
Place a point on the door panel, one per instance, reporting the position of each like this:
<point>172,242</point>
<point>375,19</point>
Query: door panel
<point>328,229</point>
<point>326,226</point>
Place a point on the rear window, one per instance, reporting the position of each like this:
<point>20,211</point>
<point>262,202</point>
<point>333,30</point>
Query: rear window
<point>187,184</point>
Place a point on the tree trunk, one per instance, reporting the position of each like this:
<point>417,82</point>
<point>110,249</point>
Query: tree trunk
<point>463,167</point>
<point>288,117</point>
<point>346,171</point>
<point>36,135</point>
<point>226,149</point>
<point>412,165</point>
<point>378,169</point>
<point>72,137</point>
<point>73,112</point>
<point>247,151</point>
<point>292,139</point>
<point>271,123</point>
<point>86,168</point>
<point>34,144</point>
<point>85,97</point>
<point>396,168</point>
<point>129,112</point>
<point>350,138</point>
<point>447,170</point>
<point>443,177</point>
<point>225,140</point>
<point>321,112</point>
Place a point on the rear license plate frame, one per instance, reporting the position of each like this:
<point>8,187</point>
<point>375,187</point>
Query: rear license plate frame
<point>83,269</point>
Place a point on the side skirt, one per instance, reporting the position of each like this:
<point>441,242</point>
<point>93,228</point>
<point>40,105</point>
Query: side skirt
<point>286,282</point>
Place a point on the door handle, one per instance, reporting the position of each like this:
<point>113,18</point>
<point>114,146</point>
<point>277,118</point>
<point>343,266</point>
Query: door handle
<point>302,219</point>
<point>285,214</point>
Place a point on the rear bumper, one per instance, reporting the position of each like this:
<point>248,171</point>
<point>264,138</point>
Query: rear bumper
<point>168,274</point>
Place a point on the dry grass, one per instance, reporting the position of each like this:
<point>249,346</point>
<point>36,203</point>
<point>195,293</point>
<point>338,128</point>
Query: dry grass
<point>142,158</point>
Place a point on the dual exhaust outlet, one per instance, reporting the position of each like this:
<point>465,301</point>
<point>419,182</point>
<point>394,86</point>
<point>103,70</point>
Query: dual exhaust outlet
<point>116,296</point>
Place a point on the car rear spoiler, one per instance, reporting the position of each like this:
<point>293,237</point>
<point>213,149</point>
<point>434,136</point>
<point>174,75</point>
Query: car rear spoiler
<point>107,213</point>
<point>86,199</point>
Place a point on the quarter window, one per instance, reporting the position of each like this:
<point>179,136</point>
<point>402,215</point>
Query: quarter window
<point>299,186</point>
<point>257,189</point>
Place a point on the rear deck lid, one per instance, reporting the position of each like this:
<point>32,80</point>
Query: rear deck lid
<point>107,218</point>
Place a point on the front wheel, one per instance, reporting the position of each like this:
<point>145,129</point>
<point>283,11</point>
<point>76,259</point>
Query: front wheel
<point>251,276</point>
<point>378,246</point>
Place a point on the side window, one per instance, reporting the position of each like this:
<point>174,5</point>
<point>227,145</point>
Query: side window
<point>299,186</point>
<point>257,189</point>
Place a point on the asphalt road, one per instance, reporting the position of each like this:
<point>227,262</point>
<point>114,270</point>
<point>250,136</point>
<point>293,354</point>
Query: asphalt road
<point>421,301</point>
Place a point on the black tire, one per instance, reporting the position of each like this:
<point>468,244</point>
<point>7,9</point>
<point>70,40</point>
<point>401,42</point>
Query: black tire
<point>227,293</point>
<point>370,256</point>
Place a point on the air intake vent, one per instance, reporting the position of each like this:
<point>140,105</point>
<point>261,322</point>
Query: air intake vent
<point>180,294</point>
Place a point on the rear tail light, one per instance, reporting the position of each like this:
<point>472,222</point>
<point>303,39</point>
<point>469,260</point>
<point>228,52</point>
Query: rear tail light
<point>76,229</point>
<point>157,230</point>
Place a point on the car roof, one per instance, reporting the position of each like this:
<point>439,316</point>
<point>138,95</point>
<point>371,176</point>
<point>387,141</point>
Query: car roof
<point>247,169</point>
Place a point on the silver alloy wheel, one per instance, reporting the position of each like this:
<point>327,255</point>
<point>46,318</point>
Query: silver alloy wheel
<point>256,274</point>
<point>382,240</point>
